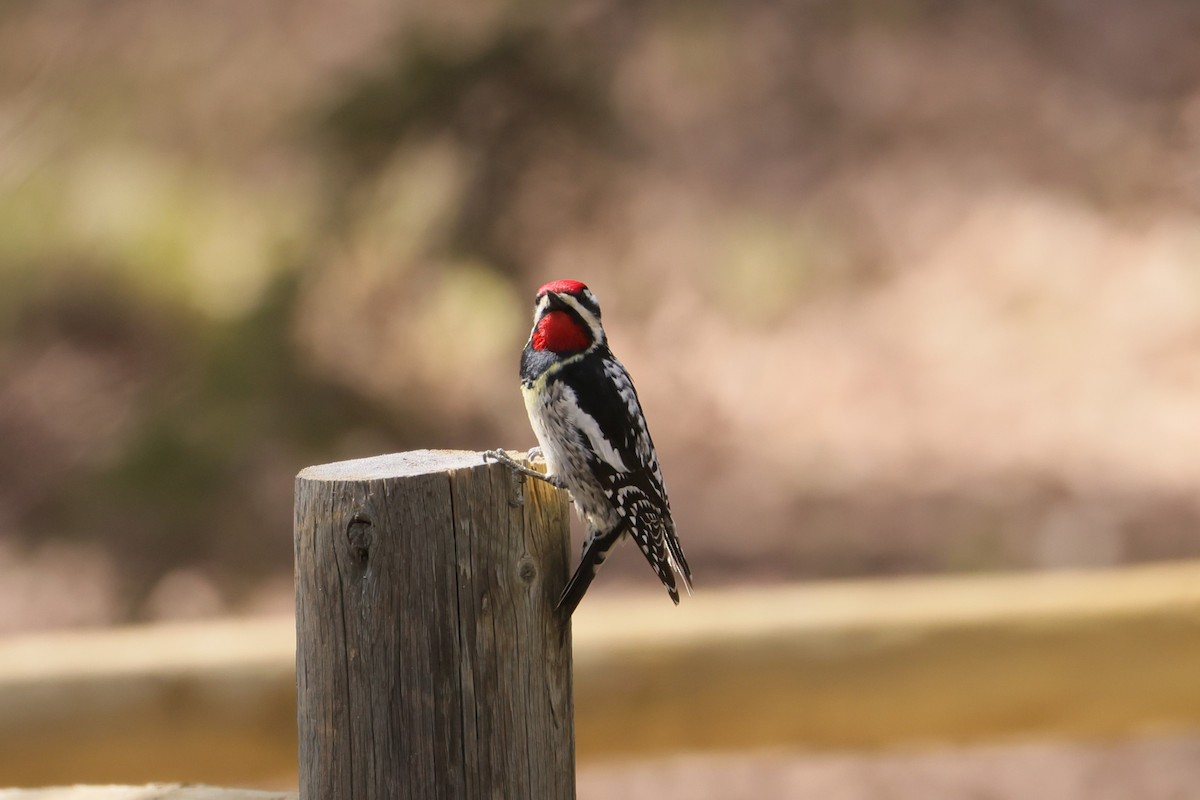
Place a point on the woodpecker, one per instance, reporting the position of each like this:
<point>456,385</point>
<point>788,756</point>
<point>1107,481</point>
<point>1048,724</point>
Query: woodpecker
<point>592,434</point>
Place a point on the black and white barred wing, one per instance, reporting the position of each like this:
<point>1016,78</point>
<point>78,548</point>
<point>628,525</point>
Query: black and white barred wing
<point>625,464</point>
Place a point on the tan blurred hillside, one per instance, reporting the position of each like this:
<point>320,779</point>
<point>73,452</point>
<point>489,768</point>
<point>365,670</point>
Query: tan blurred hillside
<point>904,286</point>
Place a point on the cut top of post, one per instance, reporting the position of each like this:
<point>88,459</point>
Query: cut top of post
<point>394,465</point>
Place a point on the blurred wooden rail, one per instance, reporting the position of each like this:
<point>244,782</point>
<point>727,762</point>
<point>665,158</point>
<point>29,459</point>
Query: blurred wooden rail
<point>157,791</point>
<point>851,664</point>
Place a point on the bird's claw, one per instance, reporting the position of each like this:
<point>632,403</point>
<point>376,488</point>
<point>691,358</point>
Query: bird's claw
<point>521,469</point>
<point>518,477</point>
<point>497,455</point>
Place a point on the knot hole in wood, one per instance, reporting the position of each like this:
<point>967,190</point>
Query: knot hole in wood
<point>361,537</point>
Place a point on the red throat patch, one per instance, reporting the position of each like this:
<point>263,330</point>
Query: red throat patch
<point>558,332</point>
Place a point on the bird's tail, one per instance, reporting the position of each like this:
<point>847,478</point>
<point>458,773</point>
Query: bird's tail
<point>677,559</point>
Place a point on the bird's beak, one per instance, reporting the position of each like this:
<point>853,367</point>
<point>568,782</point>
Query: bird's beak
<point>556,302</point>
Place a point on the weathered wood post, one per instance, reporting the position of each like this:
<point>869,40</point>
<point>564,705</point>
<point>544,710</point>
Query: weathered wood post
<point>429,660</point>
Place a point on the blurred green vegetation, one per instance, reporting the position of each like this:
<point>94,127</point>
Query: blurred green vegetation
<point>217,403</point>
<point>175,261</point>
<point>234,242</point>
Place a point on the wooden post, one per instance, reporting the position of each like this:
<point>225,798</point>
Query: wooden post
<point>429,660</point>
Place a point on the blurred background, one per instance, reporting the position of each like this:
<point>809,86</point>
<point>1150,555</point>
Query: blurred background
<point>906,287</point>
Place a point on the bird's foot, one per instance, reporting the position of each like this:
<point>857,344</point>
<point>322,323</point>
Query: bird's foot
<point>518,467</point>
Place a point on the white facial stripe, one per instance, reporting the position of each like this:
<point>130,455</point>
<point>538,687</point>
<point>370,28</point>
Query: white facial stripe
<point>586,316</point>
<point>539,309</point>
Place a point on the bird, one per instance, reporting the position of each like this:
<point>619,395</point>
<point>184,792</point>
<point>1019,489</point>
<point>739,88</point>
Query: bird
<point>593,437</point>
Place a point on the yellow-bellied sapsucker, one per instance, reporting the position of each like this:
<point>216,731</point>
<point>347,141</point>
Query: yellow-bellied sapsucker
<point>593,436</point>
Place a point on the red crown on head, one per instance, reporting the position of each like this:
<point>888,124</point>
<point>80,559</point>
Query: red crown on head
<point>562,287</point>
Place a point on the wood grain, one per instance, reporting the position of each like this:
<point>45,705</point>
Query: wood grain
<point>430,662</point>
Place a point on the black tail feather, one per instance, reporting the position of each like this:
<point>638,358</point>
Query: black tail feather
<point>594,552</point>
